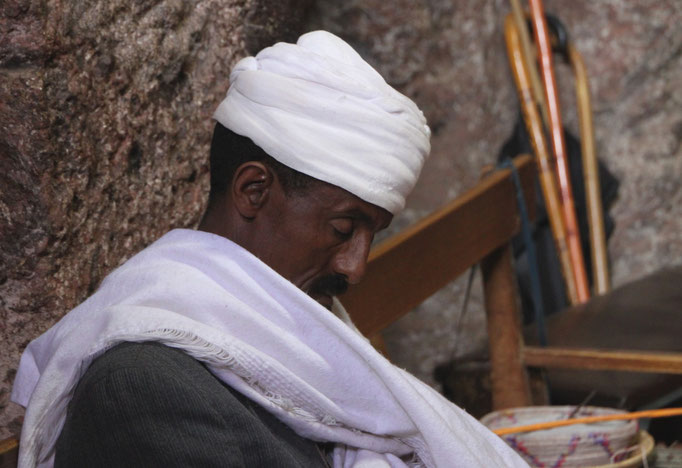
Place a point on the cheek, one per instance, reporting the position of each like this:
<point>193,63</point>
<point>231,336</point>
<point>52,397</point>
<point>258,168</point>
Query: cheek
<point>307,263</point>
<point>302,249</point>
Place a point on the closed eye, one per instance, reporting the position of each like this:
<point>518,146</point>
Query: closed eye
<point>343,227</point>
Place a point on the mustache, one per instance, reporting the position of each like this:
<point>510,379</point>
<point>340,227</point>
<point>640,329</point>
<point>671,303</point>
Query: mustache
<point>329,285</point>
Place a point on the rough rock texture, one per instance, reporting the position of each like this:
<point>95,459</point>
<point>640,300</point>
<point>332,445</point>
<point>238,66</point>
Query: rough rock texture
<point>105,123</point>
<point>450,57</point>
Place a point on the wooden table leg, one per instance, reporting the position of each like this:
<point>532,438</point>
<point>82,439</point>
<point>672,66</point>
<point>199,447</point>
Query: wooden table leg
<point>509,379</point>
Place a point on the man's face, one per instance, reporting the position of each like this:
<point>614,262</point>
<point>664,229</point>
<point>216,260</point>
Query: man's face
<point>319,239</point>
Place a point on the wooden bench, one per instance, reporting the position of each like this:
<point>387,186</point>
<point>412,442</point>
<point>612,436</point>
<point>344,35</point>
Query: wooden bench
<point>475,228</point>
<point>9,453</point>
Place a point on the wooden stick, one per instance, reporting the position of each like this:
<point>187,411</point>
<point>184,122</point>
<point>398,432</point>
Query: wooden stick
<point>599,359</point>
<point>528,56</point>
<point>600,267</point>
<point>545,165</point>
<point>559,146</point>
<point>659,413</point>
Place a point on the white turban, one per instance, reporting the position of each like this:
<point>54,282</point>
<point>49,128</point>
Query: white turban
<point>317,107</point>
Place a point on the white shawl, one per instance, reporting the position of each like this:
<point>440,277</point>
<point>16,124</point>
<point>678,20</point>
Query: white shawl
<point>264,337</point>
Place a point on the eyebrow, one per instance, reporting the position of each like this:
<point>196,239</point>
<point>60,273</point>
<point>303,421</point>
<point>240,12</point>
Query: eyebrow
<point>357,214</point>
<point>361,216</point>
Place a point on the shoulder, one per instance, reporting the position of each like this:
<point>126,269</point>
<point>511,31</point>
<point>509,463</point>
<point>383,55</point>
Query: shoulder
<point>145,355</point>
<point>140,380</point>
<point>150,377</point>
<point>147,404</point>
<point>145,358</point>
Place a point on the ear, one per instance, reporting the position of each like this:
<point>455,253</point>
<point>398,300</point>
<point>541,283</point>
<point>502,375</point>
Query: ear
<point>251,187</point>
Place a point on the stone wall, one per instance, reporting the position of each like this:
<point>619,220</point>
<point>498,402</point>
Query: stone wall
<point>105,123</point>
<point>104,117</point>
<point>450,57</point>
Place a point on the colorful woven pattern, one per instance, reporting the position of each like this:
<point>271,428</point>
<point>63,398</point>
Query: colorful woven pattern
<point>579,445</point>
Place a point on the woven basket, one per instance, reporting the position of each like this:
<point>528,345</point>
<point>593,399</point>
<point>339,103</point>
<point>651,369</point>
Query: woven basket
<point>579,445</point>
<point>643,450</point>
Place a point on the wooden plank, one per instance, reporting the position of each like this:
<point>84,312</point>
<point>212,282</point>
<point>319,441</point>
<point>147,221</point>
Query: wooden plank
<point>595,359</point>
<point>509,382</point>
<point>9,453</point>
<point>412,265</point>
<point>379,344</point>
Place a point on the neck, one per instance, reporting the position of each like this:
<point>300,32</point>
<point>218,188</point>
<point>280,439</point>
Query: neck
<point>217,219</point>
<point>220,218</point>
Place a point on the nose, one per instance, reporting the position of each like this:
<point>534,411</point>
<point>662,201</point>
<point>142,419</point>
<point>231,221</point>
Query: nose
<point>351,260</point>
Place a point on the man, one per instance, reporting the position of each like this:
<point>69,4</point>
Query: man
<point>226,346</point>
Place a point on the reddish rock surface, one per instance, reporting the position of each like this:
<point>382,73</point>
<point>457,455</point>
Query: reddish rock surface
<point>105,123</point>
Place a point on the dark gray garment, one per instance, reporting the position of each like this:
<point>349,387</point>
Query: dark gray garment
<point>145,404</point>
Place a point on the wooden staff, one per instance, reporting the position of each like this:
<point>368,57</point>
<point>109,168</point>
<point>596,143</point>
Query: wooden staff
<point>659,413</point>
<point>557,137</point>
<point>595,219</point>
<point>528,56</point>
<point>545,166</point>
